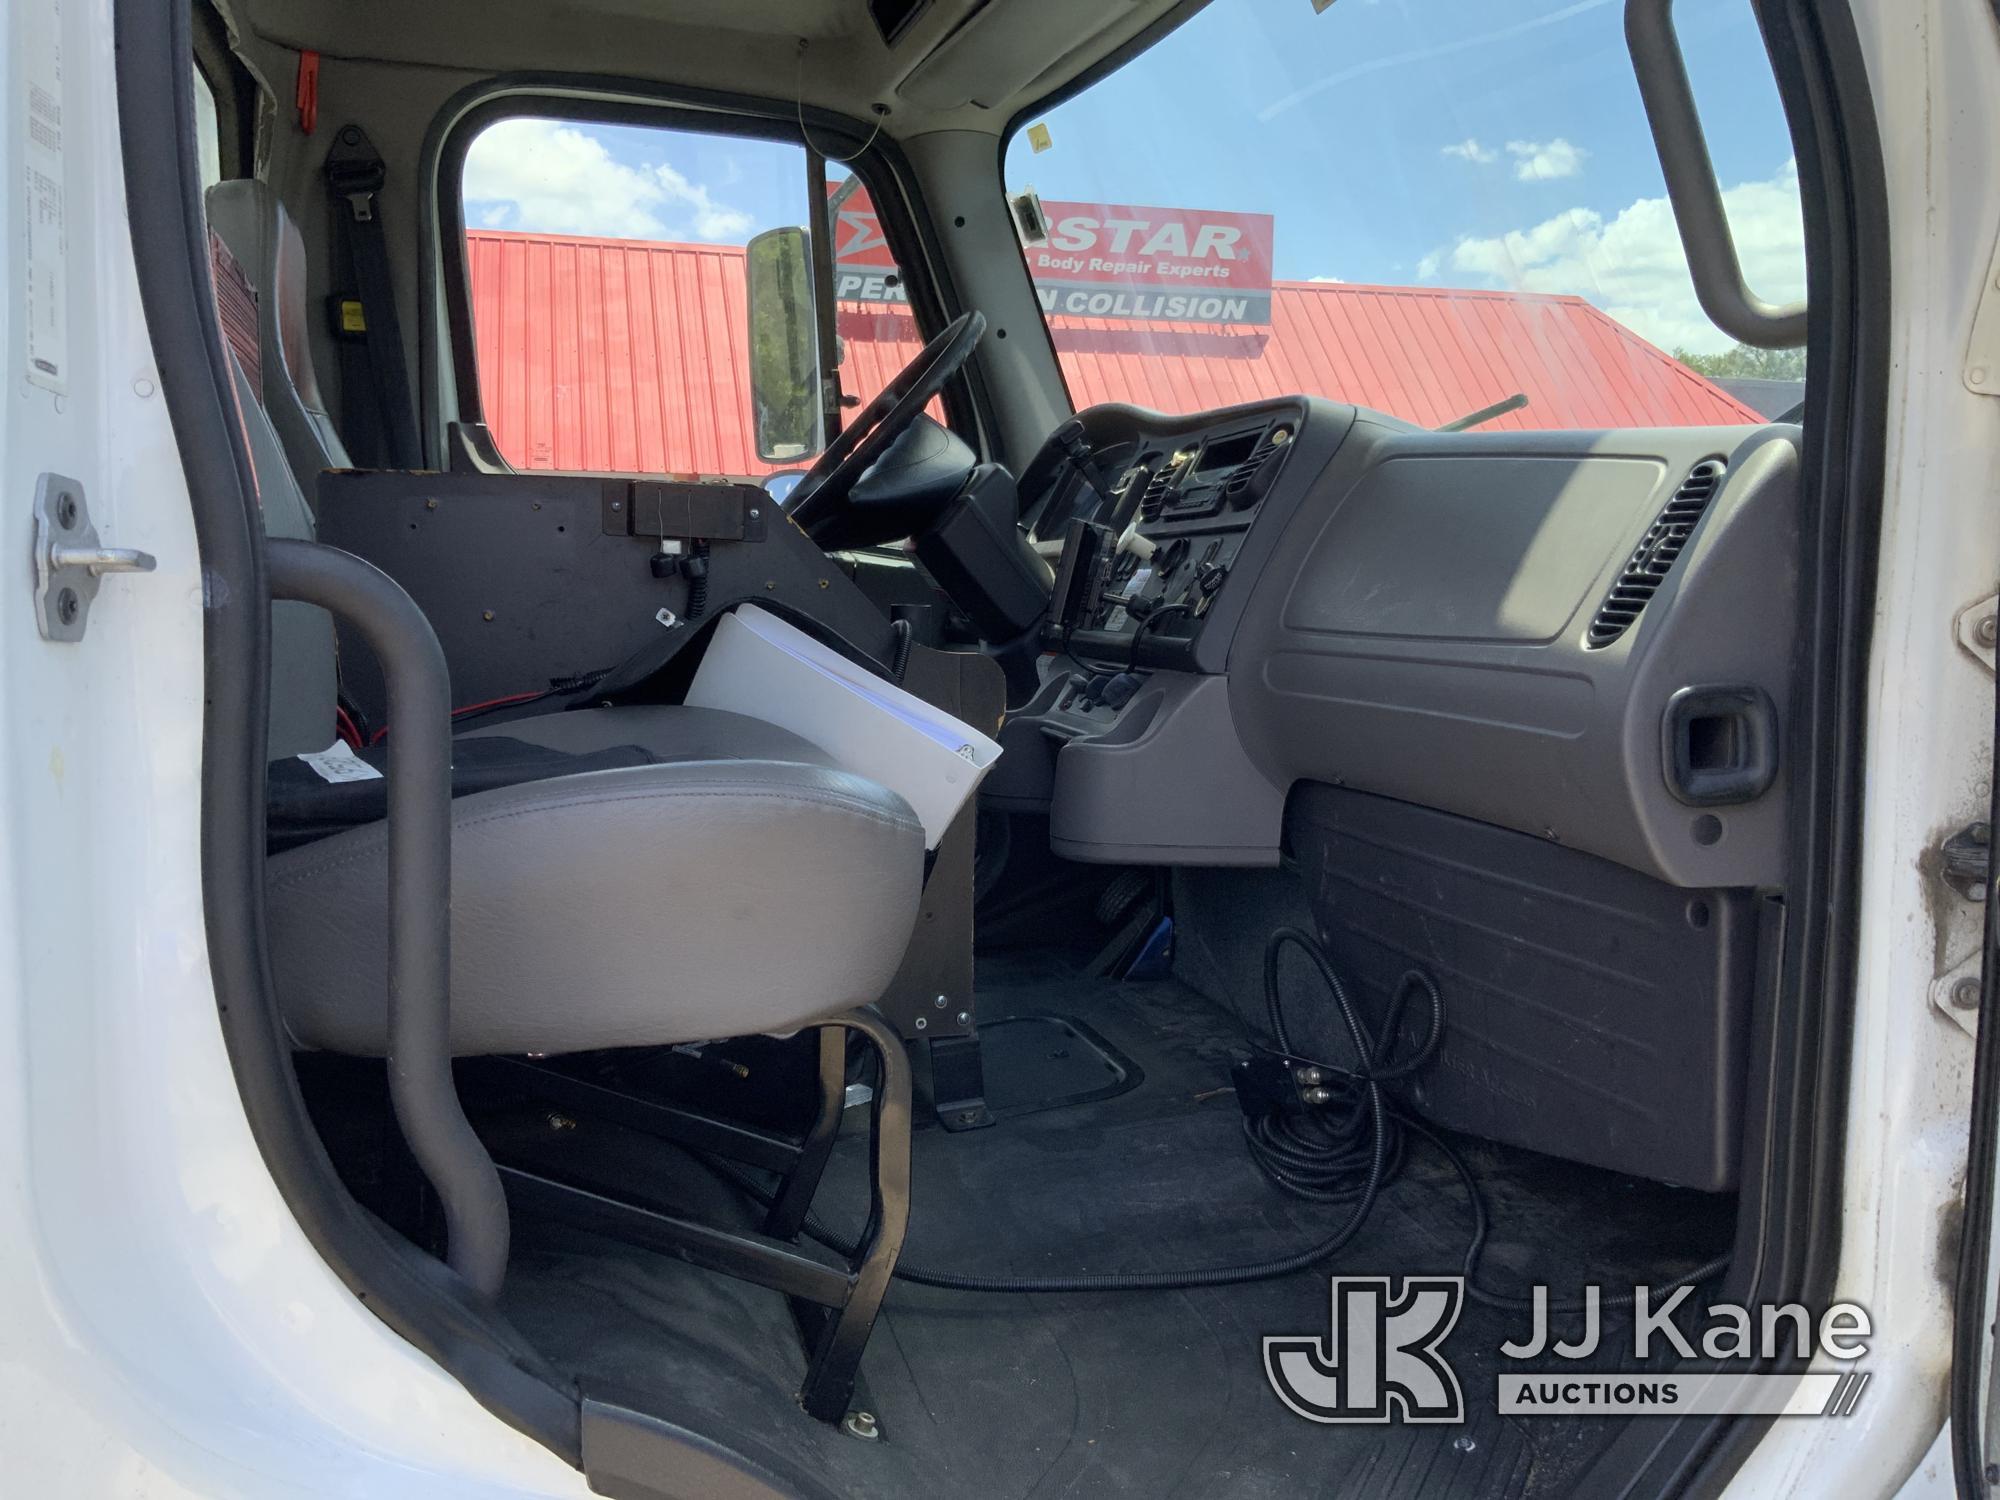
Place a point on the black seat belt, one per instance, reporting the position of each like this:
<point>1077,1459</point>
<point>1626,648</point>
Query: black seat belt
<point>378,414</point>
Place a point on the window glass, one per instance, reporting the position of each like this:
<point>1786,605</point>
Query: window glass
<point>207,132</point>
<point>1435,208</point>
<point>607,267</point>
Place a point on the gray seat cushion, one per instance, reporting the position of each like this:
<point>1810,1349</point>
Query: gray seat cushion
<point>302,807</point>
<point>632,907</point>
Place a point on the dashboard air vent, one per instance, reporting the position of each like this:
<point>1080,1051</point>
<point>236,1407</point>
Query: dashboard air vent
<point>1236,488</point>
<point>1153,499</point>
<point>1655,555</point>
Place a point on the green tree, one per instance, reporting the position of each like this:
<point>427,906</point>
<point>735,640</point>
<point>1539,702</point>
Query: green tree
<point>1756,364</point>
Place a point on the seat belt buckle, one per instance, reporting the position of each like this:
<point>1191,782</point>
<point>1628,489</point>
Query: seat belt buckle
<point>361,205</point>
<point>358,182</point>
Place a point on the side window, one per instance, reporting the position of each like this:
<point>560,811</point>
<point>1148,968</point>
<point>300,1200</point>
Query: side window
<point>207,131</point>
<point>225,100</point>
<point>1450,211</point>
<point>609,269</point>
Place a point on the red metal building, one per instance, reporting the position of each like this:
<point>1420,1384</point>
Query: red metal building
<point>626,355</point>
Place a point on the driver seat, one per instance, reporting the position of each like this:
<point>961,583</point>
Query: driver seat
<point>722,878</point>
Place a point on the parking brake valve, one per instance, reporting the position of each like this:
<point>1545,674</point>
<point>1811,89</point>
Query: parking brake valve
<point>1207,582</point>
<point>1119,690</point>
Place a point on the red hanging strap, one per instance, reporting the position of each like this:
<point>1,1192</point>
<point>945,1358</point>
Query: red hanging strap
<point>306,95</point>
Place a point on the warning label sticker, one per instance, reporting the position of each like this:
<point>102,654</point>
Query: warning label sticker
<point>46,291</point>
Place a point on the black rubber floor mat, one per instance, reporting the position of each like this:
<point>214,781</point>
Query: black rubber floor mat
<point>1033,1063</point>
<point>1030,1397</point>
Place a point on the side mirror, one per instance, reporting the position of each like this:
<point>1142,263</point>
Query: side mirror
<point>784,347</point>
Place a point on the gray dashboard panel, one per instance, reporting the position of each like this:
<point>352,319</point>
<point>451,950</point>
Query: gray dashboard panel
<point>1420,634</point>
<point>1508,551</point>
<point>1168,784</point>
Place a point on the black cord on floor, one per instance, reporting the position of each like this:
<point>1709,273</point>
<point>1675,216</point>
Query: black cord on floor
<point>1345,1151</point>
<point>1513,1302</point>
<point>1320,1155</point>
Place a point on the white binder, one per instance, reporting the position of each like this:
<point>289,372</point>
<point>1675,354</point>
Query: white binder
<point>760,666</point>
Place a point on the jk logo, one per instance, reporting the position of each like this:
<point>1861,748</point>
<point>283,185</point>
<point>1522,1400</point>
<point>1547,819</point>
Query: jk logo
<point>1380,1354</point>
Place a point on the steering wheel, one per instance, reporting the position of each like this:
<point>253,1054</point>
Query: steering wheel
<point>821,496</point>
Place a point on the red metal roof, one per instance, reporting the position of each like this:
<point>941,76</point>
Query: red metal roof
<point>628,355</point>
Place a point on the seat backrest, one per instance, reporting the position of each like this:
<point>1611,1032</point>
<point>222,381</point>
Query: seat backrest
<point>305,680</point>
<point>253,224</point>
<point>304,674</point>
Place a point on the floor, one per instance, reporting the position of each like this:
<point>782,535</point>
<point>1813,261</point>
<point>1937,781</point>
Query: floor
<point>1139,1394</point>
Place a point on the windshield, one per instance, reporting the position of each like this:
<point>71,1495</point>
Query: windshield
<point>1448,210</point>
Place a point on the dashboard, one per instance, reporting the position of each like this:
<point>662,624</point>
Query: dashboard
<point>1153,515</point>
<point>1584,636</point>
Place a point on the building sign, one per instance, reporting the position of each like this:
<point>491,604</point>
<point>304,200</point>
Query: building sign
<point>1102,261</point>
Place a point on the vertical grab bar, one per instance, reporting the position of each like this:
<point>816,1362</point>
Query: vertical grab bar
<point>418,895</point>
<point>1661,71</point>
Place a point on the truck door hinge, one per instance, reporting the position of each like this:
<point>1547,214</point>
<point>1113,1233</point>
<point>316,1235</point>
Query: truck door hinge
<point>1965,861</point>
<point>1955,993</point>
<point>70,561</point>
<point>1977,627</point>
<point>1982,345</point>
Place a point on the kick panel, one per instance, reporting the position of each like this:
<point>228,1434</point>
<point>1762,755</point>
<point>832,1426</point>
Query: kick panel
<point>1590,1012</point>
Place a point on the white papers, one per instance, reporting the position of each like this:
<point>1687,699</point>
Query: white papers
<point>761,666</point>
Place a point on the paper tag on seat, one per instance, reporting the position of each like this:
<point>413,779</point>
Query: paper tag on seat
<point>339,763</point>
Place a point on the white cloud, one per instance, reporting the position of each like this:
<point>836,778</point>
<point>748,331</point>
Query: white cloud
<point>1545,161</point>
<point>1470,150</point>
<point>1429,266</point>
<point>1632,266</point>
<point>712,220</point>
<point>549,178</point>
<point>1337,280</point>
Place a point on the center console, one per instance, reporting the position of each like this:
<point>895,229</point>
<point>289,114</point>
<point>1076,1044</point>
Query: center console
<point>1166,524</point>
<point>1142,573</point>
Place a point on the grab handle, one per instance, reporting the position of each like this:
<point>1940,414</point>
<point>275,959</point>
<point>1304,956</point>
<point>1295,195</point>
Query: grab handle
<point>419,894</point>
<point>1719,745</point>
<point>1691,187</point>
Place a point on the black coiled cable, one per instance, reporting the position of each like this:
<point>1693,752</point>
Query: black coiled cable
<point>696,568</point>
<point>904,637</point>
<point>1323,1155</point>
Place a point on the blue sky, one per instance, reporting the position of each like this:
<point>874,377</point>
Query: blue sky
<point>1474,143</point>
